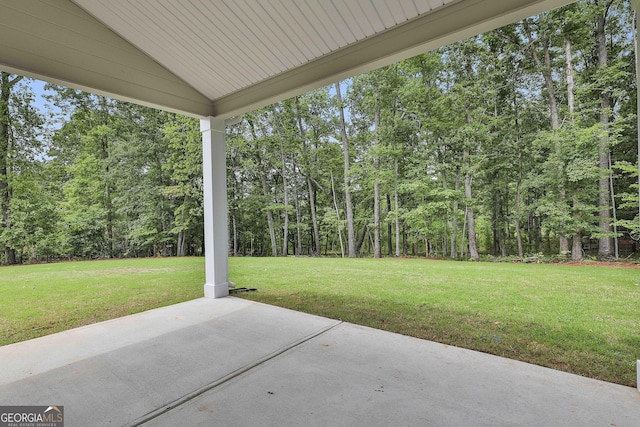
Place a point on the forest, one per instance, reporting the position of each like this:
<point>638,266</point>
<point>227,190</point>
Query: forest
<point>517,144</point>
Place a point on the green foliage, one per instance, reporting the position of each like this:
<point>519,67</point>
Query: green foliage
<point>566,177</point>
<point>480,128</point>
<point>630,200</point>
<point>20,148</point>
<point>184,167</point>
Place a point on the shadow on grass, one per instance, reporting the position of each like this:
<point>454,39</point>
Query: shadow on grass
<point>569,349</point>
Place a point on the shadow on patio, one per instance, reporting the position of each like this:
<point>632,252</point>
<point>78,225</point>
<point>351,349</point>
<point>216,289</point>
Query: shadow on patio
<point>234,362</point>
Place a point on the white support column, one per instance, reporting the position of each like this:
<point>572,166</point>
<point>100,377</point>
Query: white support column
<point>215,208</point>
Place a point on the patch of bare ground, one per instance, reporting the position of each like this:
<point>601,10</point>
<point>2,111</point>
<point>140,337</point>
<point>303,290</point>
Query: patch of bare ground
<point>609,264</point>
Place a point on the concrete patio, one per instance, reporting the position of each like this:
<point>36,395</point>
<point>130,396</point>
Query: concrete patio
<point>232,362</point>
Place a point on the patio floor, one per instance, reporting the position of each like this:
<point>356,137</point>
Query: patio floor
<point>232,362</point>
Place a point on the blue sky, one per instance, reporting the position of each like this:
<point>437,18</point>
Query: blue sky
<point>38,88</point>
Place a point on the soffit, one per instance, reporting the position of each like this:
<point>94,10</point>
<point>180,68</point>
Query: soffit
<point>220,47</point>
<point>223,58</point>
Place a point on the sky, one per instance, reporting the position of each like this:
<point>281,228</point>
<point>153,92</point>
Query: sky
<point>42,104</point>
<point>38,88</point>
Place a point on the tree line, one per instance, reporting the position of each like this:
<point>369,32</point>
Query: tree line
<point>517,142</point>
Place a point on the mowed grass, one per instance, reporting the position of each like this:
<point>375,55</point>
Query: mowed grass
<point>579,319</point>
<point>41,299</point>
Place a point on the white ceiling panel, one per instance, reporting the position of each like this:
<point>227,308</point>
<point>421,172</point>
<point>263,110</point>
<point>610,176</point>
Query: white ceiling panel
<point>247,40</point>
<point>225,57</point>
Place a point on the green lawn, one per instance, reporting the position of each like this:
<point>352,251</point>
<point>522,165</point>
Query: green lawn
<point>41,299</point>
<point>579,319</point>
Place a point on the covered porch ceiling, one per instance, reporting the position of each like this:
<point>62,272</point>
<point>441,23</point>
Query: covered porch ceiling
<point>222,58</point>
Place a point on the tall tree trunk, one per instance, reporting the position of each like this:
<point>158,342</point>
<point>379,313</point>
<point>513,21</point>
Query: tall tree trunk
<point>285,228</point>
<point>233,212</point>
<point>361,238</point>
<point>576,248</point>
<point>517,206</point>
<point>6,84</point>
<point>298,223</point>
<point>495,226</point>
<point>351,239</point>
<point>235,233</point>
<point>180,250</point>
<point>285,187</point>
<point>389,228</point>
<point>555,124</point>
<point>569,73</point>
<point>604,201</point>
<point>5,133</point>
<point>108,203</point>
<point>267,196</point>
<point>545,70</point>
<point>517,220</point>
<point>335,204</point>
<point>397,207</point>
<point>314,218</point>
<point>377,253</point>
<point>473,247</point>
<point>454,222</point>
<point>265,191</point>
<point>312,199</point>
<point>109,209</point>
<point>548,79</point>
<point>519,182</point>
<point>616,248</point>
<point>464,233</point>
<point>181,240</point>
<point>405,243</point>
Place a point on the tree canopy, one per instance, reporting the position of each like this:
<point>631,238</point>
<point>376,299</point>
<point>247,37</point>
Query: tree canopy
<point>516,142</point>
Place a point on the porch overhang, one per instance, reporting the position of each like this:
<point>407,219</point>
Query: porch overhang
<point>129,50</point>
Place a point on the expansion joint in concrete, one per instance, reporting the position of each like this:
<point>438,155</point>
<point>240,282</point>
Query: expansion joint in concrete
<point>190,396</point>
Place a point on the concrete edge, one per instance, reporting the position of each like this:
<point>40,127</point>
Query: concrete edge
<point>24,359</point>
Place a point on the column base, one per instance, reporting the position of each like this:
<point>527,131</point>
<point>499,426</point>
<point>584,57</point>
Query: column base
<point>219,290</point>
